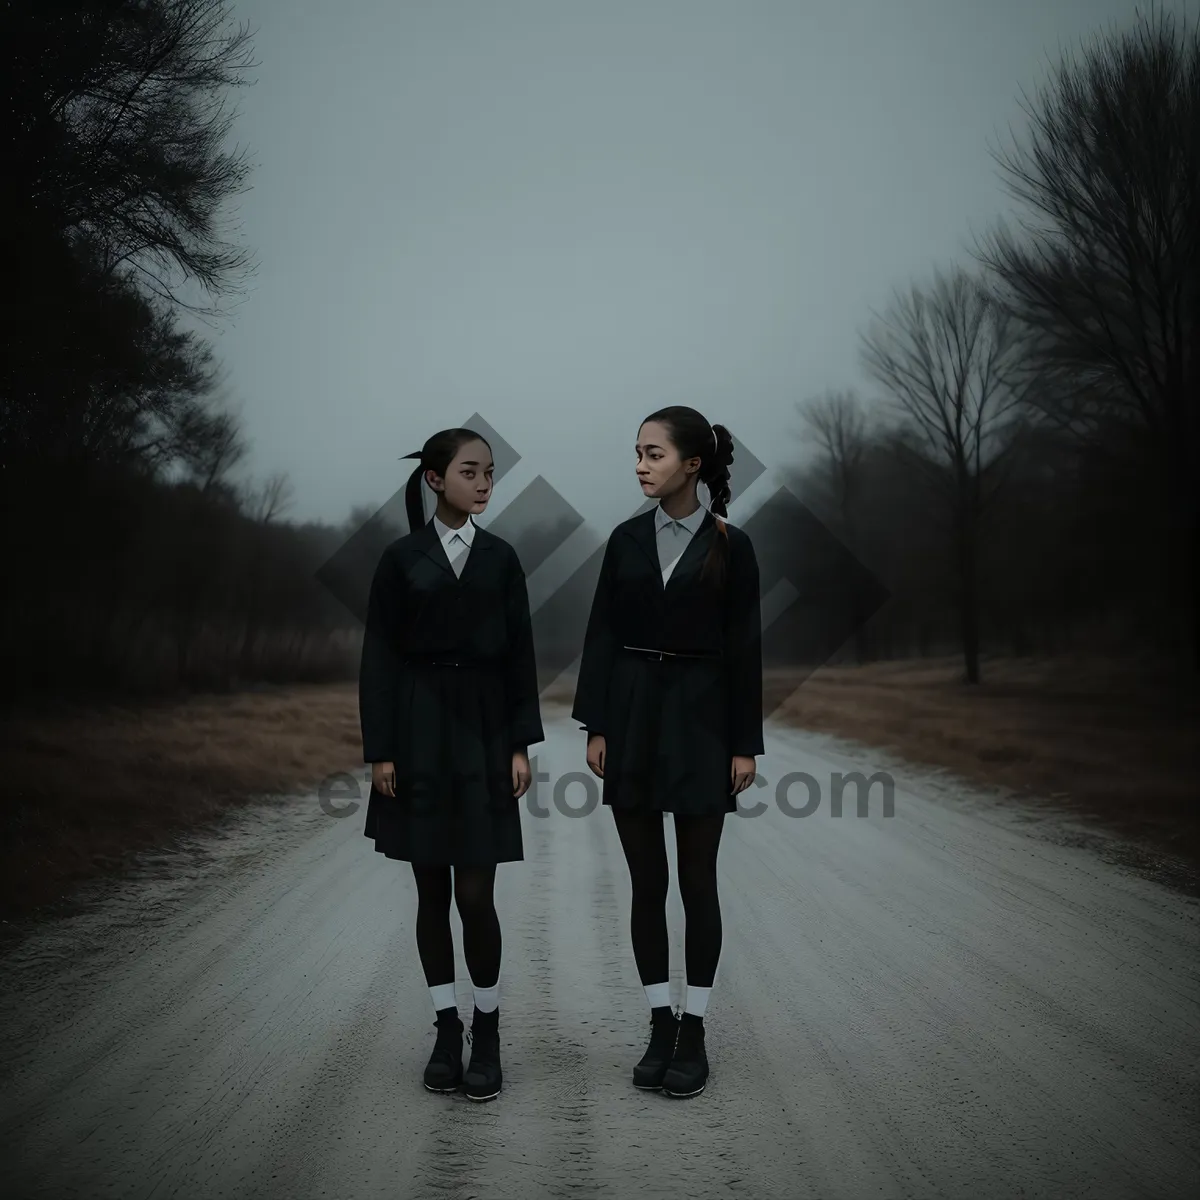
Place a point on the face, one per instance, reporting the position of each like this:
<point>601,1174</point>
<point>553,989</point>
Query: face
<point>467,486</point>
<point>660,470</point>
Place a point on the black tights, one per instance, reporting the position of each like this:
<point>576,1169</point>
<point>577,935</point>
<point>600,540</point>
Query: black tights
<point>697,840</point>
<point>481,927</point>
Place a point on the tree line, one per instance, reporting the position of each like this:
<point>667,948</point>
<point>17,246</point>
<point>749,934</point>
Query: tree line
<point>1028,482</point>
<point>1023,482</point>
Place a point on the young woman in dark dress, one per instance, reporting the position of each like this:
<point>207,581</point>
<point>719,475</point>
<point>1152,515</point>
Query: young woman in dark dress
<point>448,700</point>
<point>670,693</point>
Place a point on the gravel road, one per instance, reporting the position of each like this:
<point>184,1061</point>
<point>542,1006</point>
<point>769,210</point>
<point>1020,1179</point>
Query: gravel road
<point>949,1001</point>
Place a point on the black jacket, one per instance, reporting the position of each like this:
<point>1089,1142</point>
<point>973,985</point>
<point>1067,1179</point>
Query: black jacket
<point>632,607</point>
<point>417,606</point>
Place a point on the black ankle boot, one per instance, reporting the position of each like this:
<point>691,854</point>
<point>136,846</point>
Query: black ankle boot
<point>445,1070</point>
<point>483,1079</point>
<point>664,1027</point>
<point>688,1072</point>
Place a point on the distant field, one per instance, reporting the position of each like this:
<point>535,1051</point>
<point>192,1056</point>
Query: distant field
<point>89,787</point>
<point>1114,743</point>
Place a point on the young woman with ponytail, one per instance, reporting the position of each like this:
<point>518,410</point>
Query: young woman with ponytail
<point>670,693</point>
<point>448,701</point>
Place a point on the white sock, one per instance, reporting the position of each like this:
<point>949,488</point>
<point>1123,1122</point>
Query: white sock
<point>443,996</point>
<point>697,1000</point>
<point>659,994</point>
<point>488,999</point>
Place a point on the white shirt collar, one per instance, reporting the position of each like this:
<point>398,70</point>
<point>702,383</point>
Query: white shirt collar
<point>691,522</point>
<point>445,533</point>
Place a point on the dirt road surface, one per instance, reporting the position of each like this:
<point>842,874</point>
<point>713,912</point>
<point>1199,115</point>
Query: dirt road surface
<point>953,1000</point>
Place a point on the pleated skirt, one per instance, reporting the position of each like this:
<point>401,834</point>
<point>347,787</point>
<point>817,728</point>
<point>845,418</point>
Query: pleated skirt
<point>454,804</point>
<point>666,736</point>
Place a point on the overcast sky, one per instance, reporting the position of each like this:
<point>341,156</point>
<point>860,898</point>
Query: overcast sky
<point>563,215</point>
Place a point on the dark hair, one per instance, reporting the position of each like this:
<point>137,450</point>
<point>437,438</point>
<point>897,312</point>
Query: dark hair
<point>694,437</point>
<point>436,455</point>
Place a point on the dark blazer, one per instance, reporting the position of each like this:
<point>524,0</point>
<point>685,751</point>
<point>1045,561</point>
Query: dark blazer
<point>418,607</point>
<point>632,607</point>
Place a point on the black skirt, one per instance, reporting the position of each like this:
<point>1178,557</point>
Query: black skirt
<point>666,736</point>
<point>454,804</point>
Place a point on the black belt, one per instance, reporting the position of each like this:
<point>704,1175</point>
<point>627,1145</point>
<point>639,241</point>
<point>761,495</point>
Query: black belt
<point>658,655</point>
<point>449,660</point>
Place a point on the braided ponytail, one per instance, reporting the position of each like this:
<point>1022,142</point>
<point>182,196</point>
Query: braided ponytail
<point>694,437</point>
<point>714,474</point>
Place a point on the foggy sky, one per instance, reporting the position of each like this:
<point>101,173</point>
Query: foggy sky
<point>563,215</point>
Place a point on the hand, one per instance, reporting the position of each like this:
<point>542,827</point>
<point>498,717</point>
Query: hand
<point>521,773</point>
<point>596,749</point>
<point>383,778</point>
<point>741,773</point>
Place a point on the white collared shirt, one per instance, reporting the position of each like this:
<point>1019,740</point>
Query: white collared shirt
<point>673,536</point>
<point>456,542</point>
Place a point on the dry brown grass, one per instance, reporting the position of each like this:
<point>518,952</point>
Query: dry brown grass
<point>1114,742</point>
<point>88,787</point>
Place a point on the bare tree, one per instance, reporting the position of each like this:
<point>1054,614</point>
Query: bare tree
<point>210,443</point>
<point>122,137</point>
<point>157,411</point>
<point>1105,270</point>
<point>265,502</point>
<point>946,355</point>
<point>117,166</point>
<point>839,427</point>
